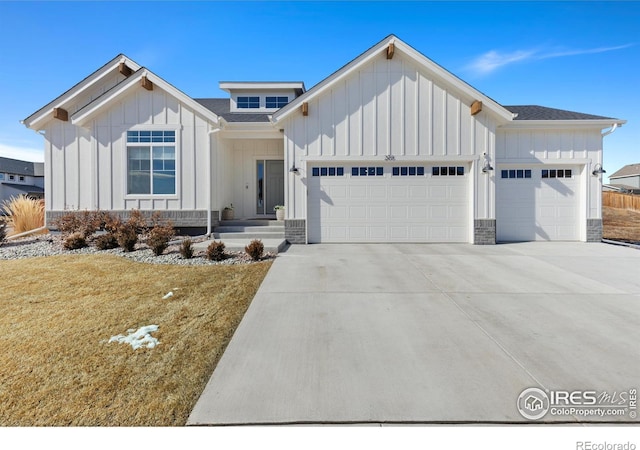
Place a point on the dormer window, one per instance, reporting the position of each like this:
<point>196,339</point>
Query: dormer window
<point>248,102</point>
<point>276,102</point>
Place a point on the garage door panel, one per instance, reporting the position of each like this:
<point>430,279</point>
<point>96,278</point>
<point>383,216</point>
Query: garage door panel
<point>538,208</point>
<point>386,208</point>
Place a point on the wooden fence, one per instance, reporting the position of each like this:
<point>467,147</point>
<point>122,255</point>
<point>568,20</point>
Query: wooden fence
<point>622,201</point>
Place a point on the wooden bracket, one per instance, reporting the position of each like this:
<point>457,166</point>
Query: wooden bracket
<point>61,114</point>
<point>124,69</point>
<point>305,109</point>
<point>476,107</point>
<point>147,84</point>
<point>390,49</point>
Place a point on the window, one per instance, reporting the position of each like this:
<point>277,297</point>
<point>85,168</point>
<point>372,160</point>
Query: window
<point>1,176</point>
<point>444,171</point>
<point>367,171</point>
<point>21,178</point>
<point>327,171</point>
<point>151,169</point>
<point>407,171</point>
<point>248,102</point>
<point>276,102</point>
<point>557,173</point>
<point>12,177</point>
<point>515,173</point>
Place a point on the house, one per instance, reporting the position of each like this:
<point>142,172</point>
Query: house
<point>20,178</point>
<point>389,148</point>
<point>626,180</point>
<point>533,403</point>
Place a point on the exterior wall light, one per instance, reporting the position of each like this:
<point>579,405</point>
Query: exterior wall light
<point>598,170</point>
<point>293,169</point>
<point>486,167</point>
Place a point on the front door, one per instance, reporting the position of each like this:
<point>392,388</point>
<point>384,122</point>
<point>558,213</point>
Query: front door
<point>270,185</point>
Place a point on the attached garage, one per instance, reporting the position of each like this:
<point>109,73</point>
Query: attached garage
<point>538,203</point>
<point>408,202</point>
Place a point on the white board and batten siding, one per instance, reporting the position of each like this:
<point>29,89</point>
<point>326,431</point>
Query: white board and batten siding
<point>88,166</point>
<point>389,108</point>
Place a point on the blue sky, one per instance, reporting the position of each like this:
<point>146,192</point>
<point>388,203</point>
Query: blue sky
<point>580,56</point>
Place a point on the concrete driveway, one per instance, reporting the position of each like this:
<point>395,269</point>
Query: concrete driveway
<point>401,333</point>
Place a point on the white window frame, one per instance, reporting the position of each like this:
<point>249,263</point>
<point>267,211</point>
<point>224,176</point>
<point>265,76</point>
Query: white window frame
<point>125,160</point>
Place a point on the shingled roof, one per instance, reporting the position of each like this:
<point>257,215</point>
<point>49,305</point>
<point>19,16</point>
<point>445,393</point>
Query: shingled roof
<point>535,112</point>
<point>629,170</point>
<point>222,107</point>
<point>16,166</point>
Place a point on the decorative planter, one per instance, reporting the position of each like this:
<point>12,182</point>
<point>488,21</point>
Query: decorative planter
<point>227,214</point>
<point>280,214</point>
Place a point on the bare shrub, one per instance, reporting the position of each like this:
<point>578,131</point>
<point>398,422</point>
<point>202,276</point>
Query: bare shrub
<point>255,249</point>
<point>215,251</point>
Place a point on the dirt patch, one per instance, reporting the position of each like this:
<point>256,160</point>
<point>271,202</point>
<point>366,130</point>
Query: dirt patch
<point>620,224</point>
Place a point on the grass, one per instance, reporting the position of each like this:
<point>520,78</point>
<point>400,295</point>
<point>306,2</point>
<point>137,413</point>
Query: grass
<point>57,314</point>
<point>24,213</point>
<point>620,224</point>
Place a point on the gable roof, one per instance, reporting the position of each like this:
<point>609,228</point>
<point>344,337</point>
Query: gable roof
<point>629,170</point>
<point>17,166</point>
<point>400,47</point>
<point>36,120</point>
<point>222,107</point>
<point>93,108</point>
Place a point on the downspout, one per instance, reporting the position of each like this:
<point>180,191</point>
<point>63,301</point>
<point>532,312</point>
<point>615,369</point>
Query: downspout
<point>209,199</point>
<point>613,128</point>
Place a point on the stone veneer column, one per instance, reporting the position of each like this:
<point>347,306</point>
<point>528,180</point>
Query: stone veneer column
<point>594,230</point>
<point>484,231</point>
<point>295,231</point>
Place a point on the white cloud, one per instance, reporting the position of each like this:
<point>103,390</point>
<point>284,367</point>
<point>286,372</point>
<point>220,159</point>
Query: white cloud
<point>23,153</point>
<point>493,60</point>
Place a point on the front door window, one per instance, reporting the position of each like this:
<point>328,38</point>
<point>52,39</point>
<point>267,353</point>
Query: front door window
<point>269,185</point>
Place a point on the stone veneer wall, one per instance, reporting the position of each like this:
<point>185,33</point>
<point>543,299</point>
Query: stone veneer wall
<point>484,231</point>
<point>187,218</point>
<point>594,230</point>
<point>295,231</point>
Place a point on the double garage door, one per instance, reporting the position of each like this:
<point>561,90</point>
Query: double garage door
<point>388,203</point>
<point>537,203</point>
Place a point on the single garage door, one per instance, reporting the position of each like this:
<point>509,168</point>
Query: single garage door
<point>388,203</point>
<point>537,204</point>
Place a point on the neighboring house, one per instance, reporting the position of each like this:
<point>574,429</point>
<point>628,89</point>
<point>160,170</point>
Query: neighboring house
<point>389,148</point>
<point>20,178</point>
<point>626,180</point>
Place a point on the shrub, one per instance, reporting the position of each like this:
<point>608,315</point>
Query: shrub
<point>74,241</point>
<point>186,249</point>
<point>25,213</point>
<point>83,222</point>
<point>138,221</point>
<point>127,237</point>
<point>159,237</point>
<point>3,230</point>
<point>215,251</point>
<point>255,249</point>
<point>106,241</point>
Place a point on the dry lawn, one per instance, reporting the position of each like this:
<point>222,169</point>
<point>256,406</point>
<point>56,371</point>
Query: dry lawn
<point>621,224</point>
<point>57,314</point>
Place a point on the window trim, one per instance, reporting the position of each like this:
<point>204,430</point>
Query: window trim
<point>125,160</point>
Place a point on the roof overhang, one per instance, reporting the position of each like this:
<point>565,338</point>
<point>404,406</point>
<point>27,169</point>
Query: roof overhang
<point>468,93</point>
<point>115,94</point>
<point>297,86</point>
<point>38,119</point>
<point>599,124</point>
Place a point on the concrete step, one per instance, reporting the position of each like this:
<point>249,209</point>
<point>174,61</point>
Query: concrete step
<point>249,235</point>
<point>238,245</point>
<point>252,223</point>
<point>248,229</point>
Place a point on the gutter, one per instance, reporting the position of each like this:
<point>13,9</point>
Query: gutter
<point>613,128</point>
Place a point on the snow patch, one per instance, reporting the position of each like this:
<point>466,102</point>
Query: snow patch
<point>138,338</point>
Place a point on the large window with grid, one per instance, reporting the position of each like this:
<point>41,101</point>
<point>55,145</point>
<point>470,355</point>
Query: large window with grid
<point>151,162</point>
<point>276,102</point>
<point>248,102</point>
